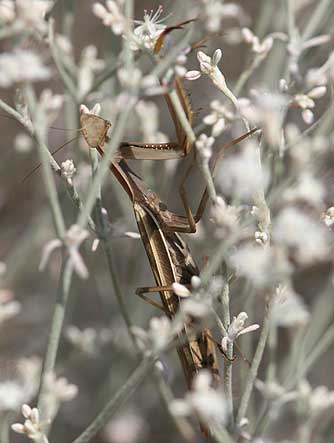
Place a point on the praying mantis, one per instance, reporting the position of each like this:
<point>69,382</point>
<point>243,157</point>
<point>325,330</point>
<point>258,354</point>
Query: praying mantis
<point>168,254</point>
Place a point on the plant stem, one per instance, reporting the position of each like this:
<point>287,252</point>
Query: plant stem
<point>47,174</point>
<point>67,80</point>
<point>102,231</point>
<point>227,364</point>
<point>317,16</point>
<point>121,396</point>
<point>55,331</point>
<point>256,361</point>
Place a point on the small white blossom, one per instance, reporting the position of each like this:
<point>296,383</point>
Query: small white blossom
<point>215,11</point>
<point>306,102</point>
<point>195,308</point>
<point>241,174</point>
<point>192,75</point>
<point>12,71</point>
<point>23,143</point>
<point>204,400</point>
<point>260,48</point>
<point>307,239</point>
<point>21,385</point>
<point>48,107</point>
<point>181,290</point>
<point>85,340</point>
<point>27,14</point>
<point>68,169</point>
<point>127,428</point>
<point>72,241</point>
<point>209,66</point>
<point>8,307</point>
<point>147,33</point>
<point>283,85</point>
<point>225,216</point>
<point>297,46</point>
<point>262,266</point>
<point>320,76</point>
<point>272,391</point>
<point>57,391</point>
<point>328,217</point>
<point>89,65</point>
<point>237,328</point>
<point>148,113</point>
<point>204,146</point>
<point>161,331</point>
<point>7,11</point>
<point>308,189</point>
<point>315,401</point>
<point>32,427</point>
<point>112,16</point>
<point>267,110</point>
<point>218,117</point>
<point>289,308</point>
<point>261,237</point>
<point>130,79</point>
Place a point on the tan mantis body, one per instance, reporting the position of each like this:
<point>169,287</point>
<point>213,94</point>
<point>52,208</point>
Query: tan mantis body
<point>169,256</point>
<point>171,262</point>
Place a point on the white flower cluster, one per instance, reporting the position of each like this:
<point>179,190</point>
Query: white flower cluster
<point>22,65</point>
<point>209,66</point>
<point>145,35</point>
<point>72,241</point>
<point>205,401</point>
<point>25,14</point>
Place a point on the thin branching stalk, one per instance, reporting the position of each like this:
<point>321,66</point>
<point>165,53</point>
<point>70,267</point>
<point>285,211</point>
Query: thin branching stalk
<point>46,170</point>
<point>70,85</point>
<point>70,188</point>
<point>225,299</point>
<point>324,343</point>
<point>256,361</point>
<point>103,235</point>
<point>121,396</point>
<point>316,18</point>
<point>181,424</point>
<point>55,332</point>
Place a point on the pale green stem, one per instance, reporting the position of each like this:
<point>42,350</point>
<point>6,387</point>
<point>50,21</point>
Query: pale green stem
<point>67,80</point>
<point>46,170</point>
<point>181,115</point>
<point>17,116</point>
<point>204,166</point>
<point>321,11</point>
<point>325,342</point>
<point>55,332</point>
<point>246,74</point>
<point>256,362</point>
<point>5,422</point>
<point>170,57</point>
<point>227,364</point>
<point>129,12</point>
<point>121,396</point>
<point>221,435</point>
<point>103,235</point>
<point>181,424</point>
<point>293,36</point>
<point>72,192</point>
<point>11,31</point>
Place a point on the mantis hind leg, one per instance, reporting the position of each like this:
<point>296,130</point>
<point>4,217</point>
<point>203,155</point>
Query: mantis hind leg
<point>147,290</point>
